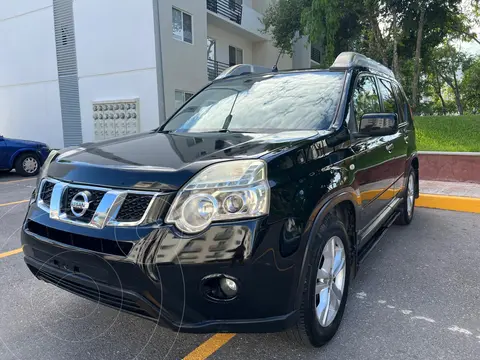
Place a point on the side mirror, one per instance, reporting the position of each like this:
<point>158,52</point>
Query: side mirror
<point>378,124</point>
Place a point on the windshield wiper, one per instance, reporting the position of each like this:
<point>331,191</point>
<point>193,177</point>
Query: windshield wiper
<point>226,124</point>
<point>228,119</point>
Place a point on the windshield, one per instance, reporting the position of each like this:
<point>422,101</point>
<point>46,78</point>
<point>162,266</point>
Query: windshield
<point>293,101</point>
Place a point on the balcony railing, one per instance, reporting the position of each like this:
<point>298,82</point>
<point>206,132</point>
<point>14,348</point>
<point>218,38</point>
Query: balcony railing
<point>316,55</point>
<point>228,8</point>
<point>215,68</point>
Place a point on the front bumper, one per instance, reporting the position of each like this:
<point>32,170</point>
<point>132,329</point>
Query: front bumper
<point>160,278</point>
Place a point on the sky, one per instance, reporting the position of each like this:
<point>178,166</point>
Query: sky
<point>472,47</point>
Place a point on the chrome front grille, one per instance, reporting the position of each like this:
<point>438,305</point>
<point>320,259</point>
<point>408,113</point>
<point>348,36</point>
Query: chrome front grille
<point>104,207</point>
<point>46,193</point>
<point>133,207</point>
<point>97,196</point>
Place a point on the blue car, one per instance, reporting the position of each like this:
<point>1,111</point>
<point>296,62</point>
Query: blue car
<point>26,157</point>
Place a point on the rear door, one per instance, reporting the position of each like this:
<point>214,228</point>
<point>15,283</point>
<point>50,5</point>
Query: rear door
<point>374,175</point>
<point>399,141</point>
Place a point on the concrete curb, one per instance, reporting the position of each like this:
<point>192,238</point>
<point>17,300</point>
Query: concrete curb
<point>449,153</point>
<point>453,203</point>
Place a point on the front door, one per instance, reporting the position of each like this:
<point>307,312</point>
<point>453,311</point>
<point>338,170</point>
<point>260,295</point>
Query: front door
<point>374,175</point>
<point>3,154</point>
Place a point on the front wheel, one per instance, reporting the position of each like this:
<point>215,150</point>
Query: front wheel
<point>326,285</point>
<point>27,165</point>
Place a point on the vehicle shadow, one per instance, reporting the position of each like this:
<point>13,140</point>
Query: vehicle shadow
<point>6,176</point>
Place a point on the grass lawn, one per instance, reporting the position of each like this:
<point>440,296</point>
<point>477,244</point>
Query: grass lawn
<point>448,133</point>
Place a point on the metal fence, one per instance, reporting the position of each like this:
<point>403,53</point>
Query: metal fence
<point>228,8</point>
<point>215,68</point>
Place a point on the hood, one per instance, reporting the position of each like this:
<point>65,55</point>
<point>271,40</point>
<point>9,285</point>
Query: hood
<point>19,142</point>
<point>164,162</point>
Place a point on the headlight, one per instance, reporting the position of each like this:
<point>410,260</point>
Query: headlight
<point>226,191</point>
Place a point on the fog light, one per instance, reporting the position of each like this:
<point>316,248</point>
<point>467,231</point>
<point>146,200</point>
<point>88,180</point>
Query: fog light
<point>229,287</point>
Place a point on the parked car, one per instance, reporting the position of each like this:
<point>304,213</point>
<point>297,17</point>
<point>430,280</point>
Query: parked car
<point>26,157</point>
<point>248,211</point>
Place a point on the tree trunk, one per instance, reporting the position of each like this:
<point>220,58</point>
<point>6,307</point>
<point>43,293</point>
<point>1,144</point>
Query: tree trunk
<point>456,91</point>
<point>418,54</point>
<point>395,65</point>
<point>458,98</point>
<point>438,90</point>
<point>378,39</point>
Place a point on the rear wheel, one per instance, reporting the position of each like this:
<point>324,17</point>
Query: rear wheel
<point>407,209</point>
<point>326,285</point>
<point>27,165</point>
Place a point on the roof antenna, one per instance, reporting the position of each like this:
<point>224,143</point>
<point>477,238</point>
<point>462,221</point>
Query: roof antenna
<point>275,67</point>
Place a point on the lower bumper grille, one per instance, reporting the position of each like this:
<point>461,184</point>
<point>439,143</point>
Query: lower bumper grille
<point>111,247</point>
<point>123,301</point>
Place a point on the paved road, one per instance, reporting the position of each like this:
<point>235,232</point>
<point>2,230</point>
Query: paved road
<point>416,297</point>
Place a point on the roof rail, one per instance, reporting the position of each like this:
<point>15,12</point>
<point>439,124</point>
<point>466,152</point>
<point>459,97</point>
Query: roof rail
<point>347,60</point>
<point>242,69</point>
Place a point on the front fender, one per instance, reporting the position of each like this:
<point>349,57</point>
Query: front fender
<point>19,152</point>
<point>326,205</point>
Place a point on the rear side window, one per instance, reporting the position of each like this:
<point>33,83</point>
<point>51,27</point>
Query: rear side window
<point>365,98</point>
<point>388,97</point>
<point>405,113</point>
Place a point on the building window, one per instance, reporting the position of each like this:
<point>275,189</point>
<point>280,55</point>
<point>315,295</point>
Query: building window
<point>181,97</point>
<point>182,26</point>
<point>235,55</point>
<point>211,49</point>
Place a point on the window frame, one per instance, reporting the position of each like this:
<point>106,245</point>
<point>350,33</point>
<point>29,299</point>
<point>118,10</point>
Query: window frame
<point>353,126</point>
<point>395,97</point>
<point>407,114</point>
<point>182,12</point>
<point>214,41</point>
<point>236,53</point>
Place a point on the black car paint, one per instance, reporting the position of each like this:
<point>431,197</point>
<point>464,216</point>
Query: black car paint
<point>310,173</point>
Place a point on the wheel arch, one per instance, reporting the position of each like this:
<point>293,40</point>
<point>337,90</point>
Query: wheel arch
<point>20,152</point>
<point>344,204</point>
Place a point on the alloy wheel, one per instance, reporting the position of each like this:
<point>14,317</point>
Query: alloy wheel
<point>330,281</point>
<point>410,195</point>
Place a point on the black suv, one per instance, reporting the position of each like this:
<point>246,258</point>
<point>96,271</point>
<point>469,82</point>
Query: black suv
<point>248,211</point>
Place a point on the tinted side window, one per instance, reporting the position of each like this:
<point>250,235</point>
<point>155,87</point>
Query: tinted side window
<point>365,98</point>
<point>388,97</point>
<point>405,113</point>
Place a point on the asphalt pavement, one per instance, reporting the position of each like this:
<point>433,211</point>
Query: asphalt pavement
<point>417,296</point>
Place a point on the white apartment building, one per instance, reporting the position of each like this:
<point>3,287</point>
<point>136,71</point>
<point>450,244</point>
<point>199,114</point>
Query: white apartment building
<point>74,71</point>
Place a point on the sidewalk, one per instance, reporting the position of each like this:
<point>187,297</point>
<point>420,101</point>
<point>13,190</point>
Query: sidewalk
<point>454,196</point>
<point>450,188</point>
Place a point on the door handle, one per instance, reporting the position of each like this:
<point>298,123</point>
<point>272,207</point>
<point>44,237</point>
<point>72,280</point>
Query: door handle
<point>390,147</point>
<point>406,139</point>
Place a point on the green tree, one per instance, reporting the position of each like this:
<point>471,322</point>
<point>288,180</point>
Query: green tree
<point>471,86</point>
<point>321,21</point>
<point>283,21</point>
<point>359,25</point>
<point>448,63</point>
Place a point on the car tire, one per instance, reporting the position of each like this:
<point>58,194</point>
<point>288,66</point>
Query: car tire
<point>27,165</point>
<point>407,208</point>
<point>312,329</point>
